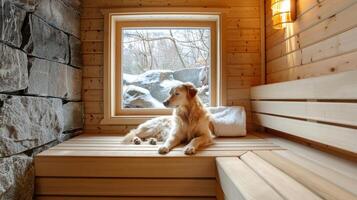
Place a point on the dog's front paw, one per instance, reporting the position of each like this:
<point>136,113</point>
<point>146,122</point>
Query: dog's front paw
<point>163,150</point>
<point>190,150</point>
<point>152,141</point>
<point>137,140</point>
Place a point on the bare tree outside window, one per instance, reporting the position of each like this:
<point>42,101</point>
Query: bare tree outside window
<point>156,59</point>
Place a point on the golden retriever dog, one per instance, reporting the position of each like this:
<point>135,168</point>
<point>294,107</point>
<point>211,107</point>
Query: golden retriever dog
<point>190,123</point>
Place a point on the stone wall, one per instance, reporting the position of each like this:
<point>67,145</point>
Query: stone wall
<point>40,86</point>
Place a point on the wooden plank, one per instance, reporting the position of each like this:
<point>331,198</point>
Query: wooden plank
<point>236,22</point>
<point>136,154</point>
<point>175,3</point>
<point>341,180</point>
<point>93,107</point>
<point>119,143</point>
<point>337,45</point>
<point>105,129</point>
<point>120,198</point>
<point>242,46</point>
<point>92,83</point>
<point>118,140</point>
<point>118,137</point>
<point>337,86</point>
<point>314,182</point>
<point>333,25</point>
<point>91,13</point>
<point>244,12</point>
<point>131,3</point>
<point>92,24</point>
<point>116,145</point>
<point>334,46</point>
<point>92,36</point>
<point>125,187</point>
<point>243,58</point>
<point>338,164</point>
<point>285,62</point>
<point>92,71</point>
<point>340,113</point>
<point>177,149</point>
<point>333,65</point>
<point>140,167</point>
<point>240,182</point>
<point>285,185</point>
<point>235,94</point>
<point>238,82</point>
<point>93,59</point>
<point>243,34</point>
<point>92,95</point>
<point>92,47</point>
<point>341,138</point>
<point>93,118</point>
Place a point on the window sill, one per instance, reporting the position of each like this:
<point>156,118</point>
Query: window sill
<point>127,120</point>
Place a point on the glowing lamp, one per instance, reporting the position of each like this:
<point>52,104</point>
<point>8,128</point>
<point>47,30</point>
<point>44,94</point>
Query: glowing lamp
<point>283,12</point>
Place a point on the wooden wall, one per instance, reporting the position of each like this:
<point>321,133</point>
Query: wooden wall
<point>241,61</point>
<point>323,40</point>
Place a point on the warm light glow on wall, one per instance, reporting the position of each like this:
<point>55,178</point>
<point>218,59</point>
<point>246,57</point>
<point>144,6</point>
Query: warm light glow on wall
<point>283,12</point>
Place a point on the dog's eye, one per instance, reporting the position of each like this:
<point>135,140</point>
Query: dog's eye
<point>177,94</point>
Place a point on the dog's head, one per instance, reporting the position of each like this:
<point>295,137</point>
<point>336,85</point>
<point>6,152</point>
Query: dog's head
<point>181,95</point>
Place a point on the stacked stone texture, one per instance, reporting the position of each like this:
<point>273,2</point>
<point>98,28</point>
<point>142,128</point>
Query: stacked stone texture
<point>40,86</point>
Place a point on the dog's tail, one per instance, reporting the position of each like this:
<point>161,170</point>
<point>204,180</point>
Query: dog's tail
<point>128,138</point>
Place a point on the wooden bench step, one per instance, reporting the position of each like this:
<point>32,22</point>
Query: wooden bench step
<point>102,166</point>
<point>239,181</point>
<point>286,186</point>
<point>330,161</point>
<point>312,181</point>
<point>281,174</point>
<point>337,178</point>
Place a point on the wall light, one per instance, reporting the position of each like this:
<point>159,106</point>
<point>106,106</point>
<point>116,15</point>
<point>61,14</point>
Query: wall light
<point>283,12</point>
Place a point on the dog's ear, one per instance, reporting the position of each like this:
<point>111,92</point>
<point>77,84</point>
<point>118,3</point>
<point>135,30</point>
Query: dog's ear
<point>191,90</point>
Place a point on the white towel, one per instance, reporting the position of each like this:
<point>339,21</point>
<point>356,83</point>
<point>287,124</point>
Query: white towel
<point>229,121</point>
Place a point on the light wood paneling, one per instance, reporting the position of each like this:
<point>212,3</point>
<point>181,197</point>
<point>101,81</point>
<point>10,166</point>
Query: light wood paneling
<point>321,41</point>
<point>241,52</point>
<point>120,198</point>
<point>125,187</point>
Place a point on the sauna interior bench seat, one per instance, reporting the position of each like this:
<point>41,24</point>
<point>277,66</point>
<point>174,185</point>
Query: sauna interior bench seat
<point>98,166</point>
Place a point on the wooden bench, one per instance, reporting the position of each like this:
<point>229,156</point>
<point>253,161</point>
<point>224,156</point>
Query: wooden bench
<point>321,111</point>
<point>100,167</point>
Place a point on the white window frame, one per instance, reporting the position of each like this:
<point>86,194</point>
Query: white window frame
<point>114,20</point>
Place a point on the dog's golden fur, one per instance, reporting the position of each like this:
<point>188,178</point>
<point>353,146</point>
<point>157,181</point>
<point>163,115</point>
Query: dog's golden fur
<point>190,123</point>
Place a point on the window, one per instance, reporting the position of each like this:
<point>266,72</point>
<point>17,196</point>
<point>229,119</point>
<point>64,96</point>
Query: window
<point>148,54</point>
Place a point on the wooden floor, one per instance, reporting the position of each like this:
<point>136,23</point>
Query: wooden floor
<point>101,167</point>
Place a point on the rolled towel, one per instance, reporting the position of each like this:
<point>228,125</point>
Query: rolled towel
<point>229,121</point>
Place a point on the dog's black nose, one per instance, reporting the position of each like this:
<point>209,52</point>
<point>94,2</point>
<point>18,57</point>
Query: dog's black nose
<point>166,103</point>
